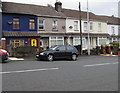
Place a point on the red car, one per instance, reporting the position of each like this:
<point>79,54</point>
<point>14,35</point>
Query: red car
<point>3,55</point>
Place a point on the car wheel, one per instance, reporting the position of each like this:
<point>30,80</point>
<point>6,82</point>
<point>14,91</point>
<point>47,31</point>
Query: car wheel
<point>50,57</point>
<point>74,57</point>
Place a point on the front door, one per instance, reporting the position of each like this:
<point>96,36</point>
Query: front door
<point>33,42</point>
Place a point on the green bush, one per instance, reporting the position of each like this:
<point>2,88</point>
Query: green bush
<point>115,45</point>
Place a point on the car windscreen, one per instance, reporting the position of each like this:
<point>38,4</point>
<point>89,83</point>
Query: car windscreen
<point>53,48</point>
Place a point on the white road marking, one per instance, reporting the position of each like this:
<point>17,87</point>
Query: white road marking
<point>99,64</point>
<point>33,70</point>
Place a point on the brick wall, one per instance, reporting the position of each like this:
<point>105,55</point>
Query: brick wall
<point>3,43</point>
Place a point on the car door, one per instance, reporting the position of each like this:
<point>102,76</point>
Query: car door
<point>60,52</point>
<point>69,51</point>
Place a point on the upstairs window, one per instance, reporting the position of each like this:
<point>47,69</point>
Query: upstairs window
<point>16,23</point>
<point>54,25</point>
<point>85,26</point>
<point>91,26</point>
<point>41,24</point>
<point>32,24</point>
<point>99,27</point>
<point>75,25</point>
<point>113,30</point>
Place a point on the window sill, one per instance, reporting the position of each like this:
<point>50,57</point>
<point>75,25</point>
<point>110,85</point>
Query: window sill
<point>41,29</point>
<point>76,30</point>
<point>54,30</point>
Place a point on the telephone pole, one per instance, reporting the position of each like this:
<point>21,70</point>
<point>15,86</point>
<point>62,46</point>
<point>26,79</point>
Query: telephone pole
<point>88,29</point>
<point>80,28</point>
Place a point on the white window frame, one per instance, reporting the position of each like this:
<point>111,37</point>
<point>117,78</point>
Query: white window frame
<point>114,39</point>
<point>99,27</point>
<point>75,25</point>
<point>85,24</point>
<point>56,38</point>
<point>78,38</point>
<point>41,43</point>
<point>101,38</point>
<point>54,25</point>
<point>41,24</point>
<point>91,26</point>
<point>113,30</point>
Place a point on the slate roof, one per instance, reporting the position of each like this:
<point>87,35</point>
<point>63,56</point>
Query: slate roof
<point>75,14</point>
<point>9,7</point>
<point>111,20</point>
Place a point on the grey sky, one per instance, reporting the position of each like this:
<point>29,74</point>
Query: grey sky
<point>102,7</point>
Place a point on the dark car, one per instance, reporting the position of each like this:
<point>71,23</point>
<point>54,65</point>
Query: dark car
<point>58,52</point>
<point>3,55</point>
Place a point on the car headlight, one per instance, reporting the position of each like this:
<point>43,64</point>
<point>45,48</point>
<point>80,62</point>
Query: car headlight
<point>42,53</point>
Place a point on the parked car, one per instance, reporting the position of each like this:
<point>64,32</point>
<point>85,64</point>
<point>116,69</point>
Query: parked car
<point>4,55</point>
<point>58,52</point>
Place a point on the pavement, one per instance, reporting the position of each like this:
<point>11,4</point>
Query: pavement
<point>108,55</point>
<point>14,58</point>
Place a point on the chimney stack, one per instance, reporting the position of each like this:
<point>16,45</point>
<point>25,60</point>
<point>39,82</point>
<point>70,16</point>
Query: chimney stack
<point>58,6</point>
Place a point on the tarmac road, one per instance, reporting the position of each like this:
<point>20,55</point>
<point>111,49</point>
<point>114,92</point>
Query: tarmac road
<point>88,73</point>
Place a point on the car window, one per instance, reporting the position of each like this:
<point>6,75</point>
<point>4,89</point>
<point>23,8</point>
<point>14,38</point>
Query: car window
<point>61,48</point>
<point>70,48</point>
<point>52,48</point>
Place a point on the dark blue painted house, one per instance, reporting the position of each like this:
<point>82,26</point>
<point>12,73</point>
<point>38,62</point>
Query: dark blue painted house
<point>19,28</point>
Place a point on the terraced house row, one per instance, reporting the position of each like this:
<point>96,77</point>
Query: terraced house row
<point>46,26</point>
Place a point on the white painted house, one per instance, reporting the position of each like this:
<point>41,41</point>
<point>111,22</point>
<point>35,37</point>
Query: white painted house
<point>97,30</point>
<point>113,27</point>
<point>113,32</point>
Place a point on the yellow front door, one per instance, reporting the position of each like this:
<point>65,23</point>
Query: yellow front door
<point>33,42</point>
